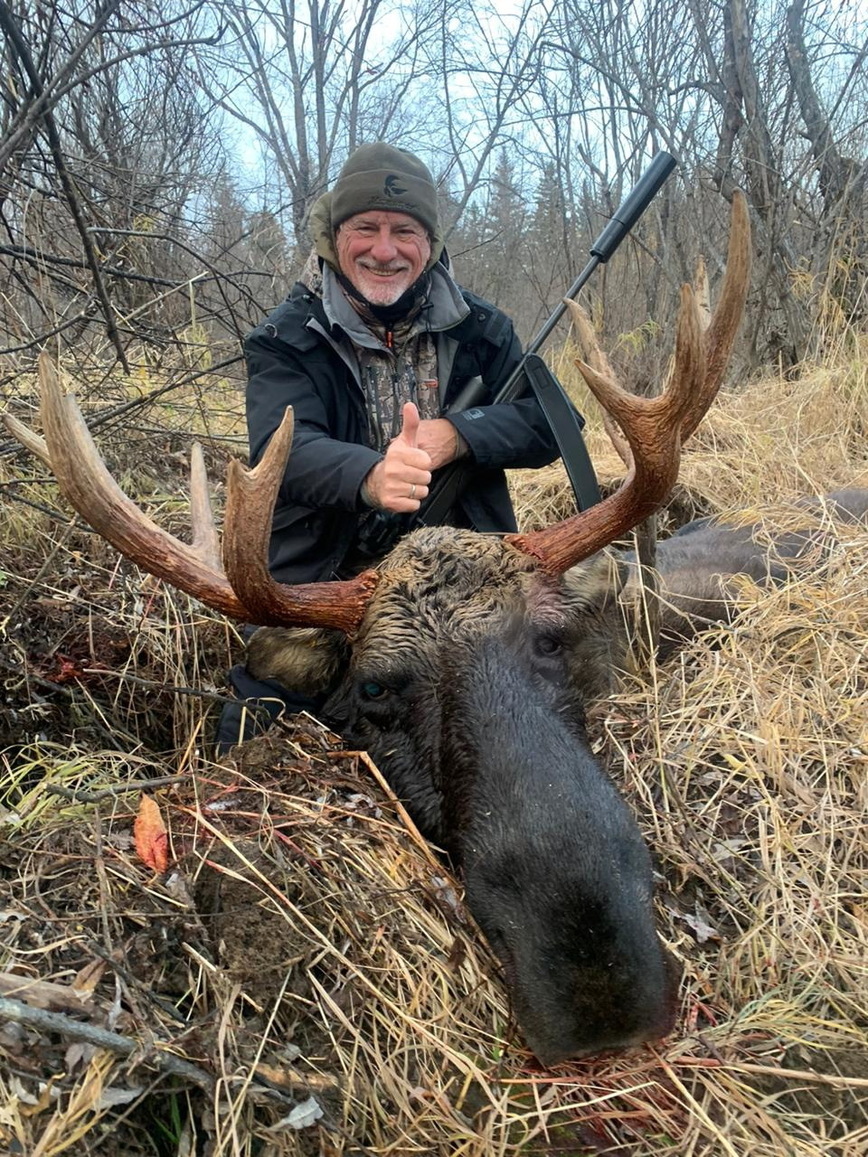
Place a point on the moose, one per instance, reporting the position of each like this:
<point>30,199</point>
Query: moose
<point>463,664</point>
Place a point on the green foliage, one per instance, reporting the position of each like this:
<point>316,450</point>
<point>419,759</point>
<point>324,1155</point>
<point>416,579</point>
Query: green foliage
<point>639,338</point>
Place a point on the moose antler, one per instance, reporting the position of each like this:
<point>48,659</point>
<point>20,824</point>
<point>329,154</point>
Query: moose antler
<point>654,428</point>
<point>244,589</point>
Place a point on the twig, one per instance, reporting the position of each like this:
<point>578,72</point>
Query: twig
<point>38,1018</point>
<point>24,122</point>
<point>53,514</point>
<point>158,1055</point>
<point>413,831</point>
<point>23,53</point>
<point>138,403</point>
<point>106,416</point>
<point>132,982</point>
<point>77,796</point>
<point>85,315</point>
<point>42,257</point>
<point>155,684</point>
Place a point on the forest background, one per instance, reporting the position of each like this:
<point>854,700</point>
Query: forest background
<point>158,161</point>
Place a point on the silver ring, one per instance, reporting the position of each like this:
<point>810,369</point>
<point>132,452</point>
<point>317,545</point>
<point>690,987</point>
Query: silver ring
<point>412,490</point>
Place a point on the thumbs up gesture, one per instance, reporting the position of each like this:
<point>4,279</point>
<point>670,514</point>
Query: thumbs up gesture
<point>400,481</point>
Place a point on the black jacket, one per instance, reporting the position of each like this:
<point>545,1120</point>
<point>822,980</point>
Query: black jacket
<point>296,358</point>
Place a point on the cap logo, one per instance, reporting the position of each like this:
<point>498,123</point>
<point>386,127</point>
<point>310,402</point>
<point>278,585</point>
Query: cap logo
<point>393,186</point>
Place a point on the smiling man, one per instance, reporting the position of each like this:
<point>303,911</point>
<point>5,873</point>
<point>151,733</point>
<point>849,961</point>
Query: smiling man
<point>383,254</point>
<point>373,344</point>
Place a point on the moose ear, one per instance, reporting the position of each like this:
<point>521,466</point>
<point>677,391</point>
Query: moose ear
<point>596,582</point>
<point>305,659</point>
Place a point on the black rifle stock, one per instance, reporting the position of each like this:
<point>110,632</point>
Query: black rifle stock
<point>384,529</point>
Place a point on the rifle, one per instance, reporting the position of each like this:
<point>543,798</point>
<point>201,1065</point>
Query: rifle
<point>380,529</point>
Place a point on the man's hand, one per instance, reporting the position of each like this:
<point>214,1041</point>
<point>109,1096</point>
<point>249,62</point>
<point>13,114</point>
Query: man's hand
<point>401,480</point>
<point>441,440</point>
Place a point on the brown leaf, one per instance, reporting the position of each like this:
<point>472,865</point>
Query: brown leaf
<point>46,994</point>
<point>87,978</point>
<point>152,839</point>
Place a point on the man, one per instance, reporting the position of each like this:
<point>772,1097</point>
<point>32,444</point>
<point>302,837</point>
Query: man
<point>374,343</point>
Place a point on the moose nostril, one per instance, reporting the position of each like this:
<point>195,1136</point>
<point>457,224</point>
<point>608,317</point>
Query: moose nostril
<point>610,1015</point>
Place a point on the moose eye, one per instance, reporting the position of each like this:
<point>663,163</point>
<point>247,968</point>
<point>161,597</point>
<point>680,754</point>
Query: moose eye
<point>372,690</point>
<point>548,644</point>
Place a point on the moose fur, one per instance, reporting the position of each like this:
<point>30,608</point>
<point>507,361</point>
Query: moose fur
<point>698,564</point>
<point>467,682</point>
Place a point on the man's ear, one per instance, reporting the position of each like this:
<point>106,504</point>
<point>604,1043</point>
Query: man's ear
<point>304,659</point>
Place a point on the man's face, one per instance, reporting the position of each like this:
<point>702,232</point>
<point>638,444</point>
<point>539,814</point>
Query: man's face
<point>382,253</point>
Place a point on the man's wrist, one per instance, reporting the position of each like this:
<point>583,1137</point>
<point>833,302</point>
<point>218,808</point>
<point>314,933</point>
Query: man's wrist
<point>460,449</point>
<point>370,486</point>
<point>365,495</point>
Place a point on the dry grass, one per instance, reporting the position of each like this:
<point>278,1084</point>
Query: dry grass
<point>759,444</point>
<point>305,943</point>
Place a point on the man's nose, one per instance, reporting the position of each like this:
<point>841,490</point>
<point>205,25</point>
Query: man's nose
<point>384,248</point>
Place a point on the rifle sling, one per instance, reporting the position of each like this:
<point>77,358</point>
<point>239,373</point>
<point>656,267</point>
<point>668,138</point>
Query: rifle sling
<point>566,425</point>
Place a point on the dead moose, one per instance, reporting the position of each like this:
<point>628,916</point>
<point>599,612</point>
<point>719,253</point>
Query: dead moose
<point>462,665</point>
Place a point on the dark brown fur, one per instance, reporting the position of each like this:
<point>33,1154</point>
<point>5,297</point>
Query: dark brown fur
<point>459,684</point>
<point>697,565</point>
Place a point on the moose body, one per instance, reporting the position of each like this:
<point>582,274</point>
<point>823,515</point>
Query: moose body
<point>698,564</point>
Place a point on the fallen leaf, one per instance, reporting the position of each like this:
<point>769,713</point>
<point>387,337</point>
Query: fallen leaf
<point>46,994</point>
<point>700,925</point>
<point>304,1115</point>
<point>152,839</point>
<point>87,978</point>
<point>176,887</point>
<point>79,1054</point>
<point>113,1097</point>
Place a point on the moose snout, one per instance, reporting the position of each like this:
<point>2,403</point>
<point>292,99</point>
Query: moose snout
<point>556,872</point>
<point>602,1015</point>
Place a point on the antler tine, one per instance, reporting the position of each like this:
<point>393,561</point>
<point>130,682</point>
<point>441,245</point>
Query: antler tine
<point>723,327</point>
<point>94,494</point>
<point>703,292</point>
<point>249,510</point>
<point>595,356</point>
<point>28,438</point>
<point>655,428</point>
<point>587,338</point>
<point>206,540</point>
